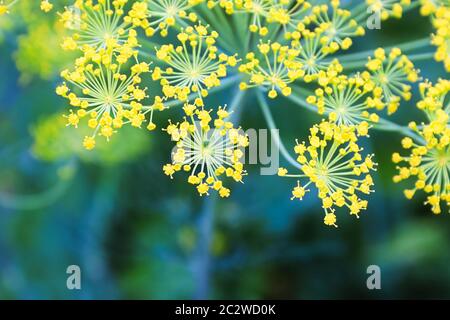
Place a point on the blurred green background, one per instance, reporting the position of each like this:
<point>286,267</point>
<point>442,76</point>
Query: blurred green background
<point>136,234</point>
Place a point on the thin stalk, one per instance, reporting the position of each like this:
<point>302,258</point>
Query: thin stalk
<point>271,124</point>
<point>414,58</point>
<point>407,46</point>
<point>205,226</point>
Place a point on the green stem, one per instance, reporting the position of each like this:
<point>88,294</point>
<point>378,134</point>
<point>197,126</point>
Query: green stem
<point>271,124</point>
<point>407,46</point>
<point>387,125</point>
<point>414,58</point>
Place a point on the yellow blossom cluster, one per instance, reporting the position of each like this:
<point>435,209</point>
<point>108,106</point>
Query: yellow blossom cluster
<point>210,149</point>
<point>333,163</point>
<point>104,86</point>
<point>98,25</point>
<point>392,73</point>
<point>275,67</point>
<point>104,95</point>
<point>348,100</point>
<point>194,66</point>
<point>428,159</point>
<point>159,15</point>
<point>439,10</point>
<point>388,8</point>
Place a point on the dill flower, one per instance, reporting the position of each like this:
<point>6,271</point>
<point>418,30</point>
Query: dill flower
<point>336,29</point>
<point>441,38</point>
<point>272,67</point>
<point>428,165</point>
<point>105,94</point>
<point>434,97</point>
<point>193,66</point>
<point>163,14</point>
<point>428,159</point>
<point>332,162</point>
<point>429,7</point>
<point>258,11</point>
<point>392,73</point>
<point>46,6</point>
<point>348,100</point>
<point>97,26</point>
<point>388,8</point>
<point>209,150</point>
<point>288,14</point>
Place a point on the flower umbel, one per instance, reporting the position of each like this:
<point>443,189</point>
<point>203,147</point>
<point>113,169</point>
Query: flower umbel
<point>392,73</point>
<point>209,150</point>
<point>194,66</point>
<point>348,100</point>
<point>332,161</point>
<point>104,94</point>
<point>274,70</point>
<point>97,26</point>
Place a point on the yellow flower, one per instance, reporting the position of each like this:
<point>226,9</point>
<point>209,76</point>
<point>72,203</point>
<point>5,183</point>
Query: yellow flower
<point>388,8</point>
<point>194,66</point>
<point>335,30</point>
<point>428,158</point>
<point>46,6</point>
<point>391,74</point>
<point>333,163</point>
<point>97,26</point>
<point>209,150</point>
<point>272,67</point>
<point>159,15</point>
<point>105,95</point>
<point>347,100</point>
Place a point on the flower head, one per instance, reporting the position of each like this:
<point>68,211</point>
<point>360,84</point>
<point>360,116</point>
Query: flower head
<point>388,8</point>
<point>97,25</point>
<point>441,38</point>
<point>332,161</point>
<point>194,66</point>
<point>428,158</point>
<point>391,74</point>
<point>347,100</point>
<point>105,94</point>
<point>336,29</point>
<point>209,150</point>
<point>272,67</point>
<point>46,5</point>
<point>159,15</point>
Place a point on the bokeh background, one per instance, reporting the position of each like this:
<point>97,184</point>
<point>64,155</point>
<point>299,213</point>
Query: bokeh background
<point>138,235</point>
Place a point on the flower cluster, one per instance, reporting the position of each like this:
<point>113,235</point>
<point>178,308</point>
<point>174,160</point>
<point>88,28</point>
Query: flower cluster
<point>104,86</point>
<point>332,162</point>
<point>275,69</point>
<point>109,98</point>
<point>194,66</point>
<point>348,100</point>
<point>389,8</point>
<point>210,150</point>
<point>284,48</point>
<point>391,74</point>
<point>98,26</point>
<point>439,10</point>
<point>428,159</point>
